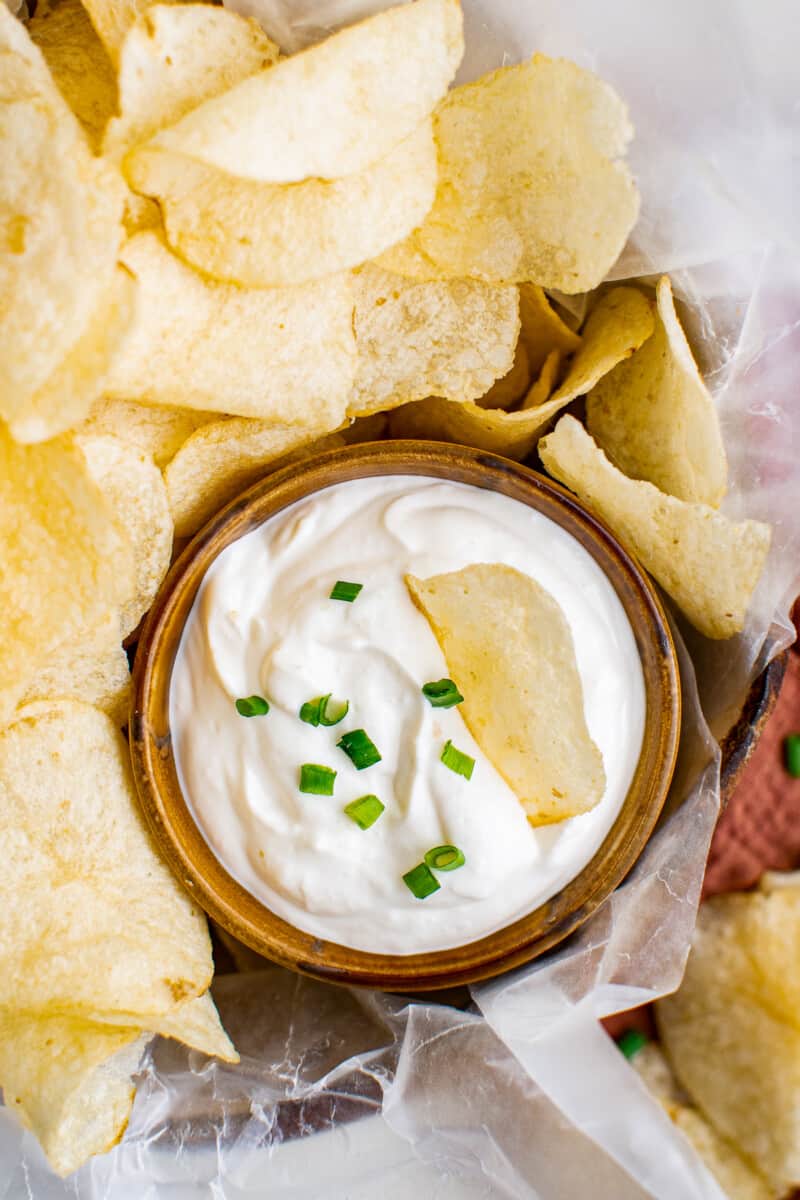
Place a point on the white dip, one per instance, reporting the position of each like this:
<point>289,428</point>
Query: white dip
<point>262,623</point>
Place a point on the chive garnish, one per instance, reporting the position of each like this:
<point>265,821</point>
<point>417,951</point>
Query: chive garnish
<point>421,881</point>
<point>445,858</point>
<point>791,751</point>
<point>442,693</point>
<point>321,712</point>
<point>364,811</point>
<point>345,591</point>
<point>316,780</point>
<point>359,749</point>
<point>632,1042</point>
<point>252,706</point>
<point>457,761</point>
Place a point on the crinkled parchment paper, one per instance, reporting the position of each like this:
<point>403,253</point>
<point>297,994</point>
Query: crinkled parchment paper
<point>524,1095</point>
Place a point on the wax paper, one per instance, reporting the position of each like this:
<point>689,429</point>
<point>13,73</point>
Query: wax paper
<point>523,1095</point>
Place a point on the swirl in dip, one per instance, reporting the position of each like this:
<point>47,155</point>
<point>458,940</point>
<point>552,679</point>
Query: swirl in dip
<point>263,624</point>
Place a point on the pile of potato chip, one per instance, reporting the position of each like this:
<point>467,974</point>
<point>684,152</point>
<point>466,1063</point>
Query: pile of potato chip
<point>731,1034</point>
<point>215,260</point>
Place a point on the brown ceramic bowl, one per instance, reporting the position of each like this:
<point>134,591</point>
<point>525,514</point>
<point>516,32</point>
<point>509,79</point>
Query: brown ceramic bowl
<point>227,901</point>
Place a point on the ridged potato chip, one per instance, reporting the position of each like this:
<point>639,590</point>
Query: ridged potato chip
<point>333,109</point>
<point>737,1177</point>
<point>655,419</point>
<point>62,229</point>
<point>708,564</point>
<point>91,666</point>
<point>286,354</point>
<point>153,429</point>
<point>532,182</point>
<point>451,338</point>
<point>220,460</point>
<point>732,1030</point>
<point>70,1080</point>
<point>509,647</point>
<point>621,321</point>
<point>92,922</point>
<point>65,560</point>
<point>78,63</point>
<point>134,491</point>
<point>541,328</point>
<point>174,58</point>
<point>262,235</point>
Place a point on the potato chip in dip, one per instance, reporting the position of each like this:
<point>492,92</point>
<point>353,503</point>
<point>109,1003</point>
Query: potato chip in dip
<point>334,753</point>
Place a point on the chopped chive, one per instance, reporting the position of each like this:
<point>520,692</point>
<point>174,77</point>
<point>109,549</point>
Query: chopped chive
<point>457,761</point>
<point>632,1042</point>
<point>442,694</point>
<point>252,706</point>
<point>345,591</point>
<point>364,811</point>
<point>321,712</point>
<point>421,881</point>
<point>791,751</point>
<point>359,749</point>
<point>316,780</point>
<point>445,858</point>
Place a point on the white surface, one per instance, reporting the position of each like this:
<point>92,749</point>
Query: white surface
<point>262,623</point>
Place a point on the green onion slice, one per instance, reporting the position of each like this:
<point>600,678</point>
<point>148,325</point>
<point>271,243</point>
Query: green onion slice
<point>252,706</point>
<point>457,761</point>
<point>445,858</point>
<point>359,749</point>
<point>791,751</point>
<point>322,712</point>
<point>421,881</point>
<point>345,591</point>
<point>317,780</point>
<point>632,1042</point>
<point>364,811</point>
<point>442,694</point>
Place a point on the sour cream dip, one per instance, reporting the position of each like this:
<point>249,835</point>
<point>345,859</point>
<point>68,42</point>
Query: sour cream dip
<point>263,624</point>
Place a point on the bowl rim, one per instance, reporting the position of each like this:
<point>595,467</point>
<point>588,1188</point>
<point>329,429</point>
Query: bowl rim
<point>178,836</point>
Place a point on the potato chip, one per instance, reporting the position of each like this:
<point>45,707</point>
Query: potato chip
<point>65,561</point>
<point>732,1038</point>
<point>78,63</point>
<point>542,329</point>
<point>283,354</point>
<point>621,321</point>
<point>513,386</point>
<point>71,1082</point>
<point>221,460</point>
<point>261,235</point>
<point>67,395</point>
<point>655,419</point>
<point>508,645</point>
<point>735,1175</point>
<point>91,666</point>
<point>452,338</point>
<point>173,58</point>
<point>61,230</point>
<point>532,186</point>
<point>196,1024</point>
<point>92,922</point>
<point>707,563</point>
<point>113,18</point>
<point>334,109</point>
<point>154,430</point>
<point>134,491</point>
